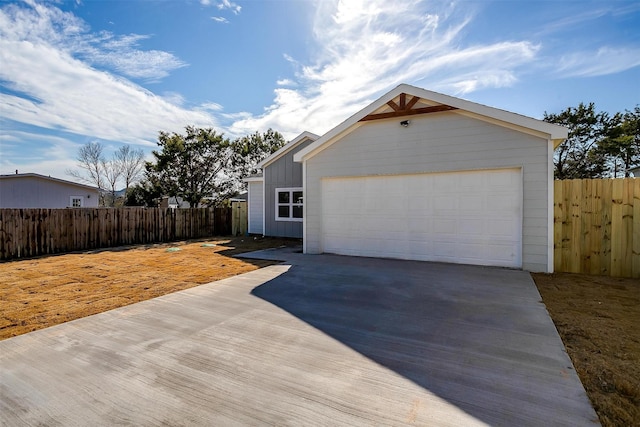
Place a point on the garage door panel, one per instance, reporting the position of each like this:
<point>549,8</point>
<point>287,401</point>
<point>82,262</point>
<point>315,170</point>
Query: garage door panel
<point>465,217</point>
<point>471,226</point>
<point>473,203</point>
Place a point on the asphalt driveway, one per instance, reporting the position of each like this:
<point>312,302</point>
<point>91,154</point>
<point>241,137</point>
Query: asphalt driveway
<point>318,340</point>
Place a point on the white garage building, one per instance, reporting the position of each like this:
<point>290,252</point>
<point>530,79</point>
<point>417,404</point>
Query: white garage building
<point>425,176</point>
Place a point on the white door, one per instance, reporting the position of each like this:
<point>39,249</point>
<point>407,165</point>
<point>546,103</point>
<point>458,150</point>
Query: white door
<point>256,207</point>
<point>461,217</point>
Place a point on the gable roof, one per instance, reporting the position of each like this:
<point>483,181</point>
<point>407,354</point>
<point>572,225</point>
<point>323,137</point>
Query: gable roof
<point>37,175</point>
<point>406,100</point>
<point>304,136</point>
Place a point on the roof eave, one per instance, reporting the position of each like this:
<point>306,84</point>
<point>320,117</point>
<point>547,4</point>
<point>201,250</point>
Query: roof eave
<point>50,178</point>
<point>546,130</point>
<point>287,148</point>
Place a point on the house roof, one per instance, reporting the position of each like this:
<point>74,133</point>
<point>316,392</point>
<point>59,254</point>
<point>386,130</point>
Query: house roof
<point>406,100</point>
<point>304,136</point>
<point>37,175</point>
<point>254,178</point>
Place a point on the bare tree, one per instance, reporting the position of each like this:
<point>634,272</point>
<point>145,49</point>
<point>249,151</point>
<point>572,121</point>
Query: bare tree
<point>131,164</point>
<point>126,165</point>
<point>112,174</point>
<point>90,159</point>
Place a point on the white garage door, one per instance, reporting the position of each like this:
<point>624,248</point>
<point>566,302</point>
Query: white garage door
<point>460,217</point>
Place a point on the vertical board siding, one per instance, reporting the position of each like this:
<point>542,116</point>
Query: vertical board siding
<point>597,226</point>
<point>282,173</point>
<point>34,232</point>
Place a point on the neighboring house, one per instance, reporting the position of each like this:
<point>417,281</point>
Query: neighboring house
<point>173,202</point>
<point>275,196</point>
<point>31,190</point>
<point>242,197</point>
<point>635,170</point>
<point>425,176</point>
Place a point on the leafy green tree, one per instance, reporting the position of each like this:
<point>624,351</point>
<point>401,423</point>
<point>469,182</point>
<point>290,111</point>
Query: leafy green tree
<point>145,193</point>
<point>193,166</point>
<point>622,142</point>
<point>578,156</point>
<point>250,150</point>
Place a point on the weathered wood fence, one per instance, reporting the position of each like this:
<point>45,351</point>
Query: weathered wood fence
<point>597,226</point>
<point>33,232</point>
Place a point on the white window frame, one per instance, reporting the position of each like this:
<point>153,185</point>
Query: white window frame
<point>72,198</point>
<point>291,204</point>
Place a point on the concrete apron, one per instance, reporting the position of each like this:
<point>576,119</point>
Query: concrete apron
<point>318,340</point>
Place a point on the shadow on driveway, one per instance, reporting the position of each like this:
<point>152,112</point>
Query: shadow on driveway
<point>478,337</point>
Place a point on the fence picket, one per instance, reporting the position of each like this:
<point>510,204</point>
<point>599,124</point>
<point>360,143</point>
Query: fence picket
<point>33,232</point>
<point>635,247</point>
<point>597,226</point>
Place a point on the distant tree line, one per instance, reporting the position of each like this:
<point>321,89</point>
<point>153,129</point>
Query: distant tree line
<point>200,167</point>
<point>599,145</point>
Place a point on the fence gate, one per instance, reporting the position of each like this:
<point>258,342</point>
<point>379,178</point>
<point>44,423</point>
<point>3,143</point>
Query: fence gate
<point>239,220</point>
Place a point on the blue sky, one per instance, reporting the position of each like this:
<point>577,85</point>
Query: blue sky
<point>120,71</point>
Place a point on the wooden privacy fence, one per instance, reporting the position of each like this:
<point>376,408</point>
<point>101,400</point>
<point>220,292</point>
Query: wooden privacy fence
<point>597,226</point>
<point>33,232</point>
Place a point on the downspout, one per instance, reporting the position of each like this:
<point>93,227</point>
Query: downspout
<point>550,207</point>
<point>304,206</point>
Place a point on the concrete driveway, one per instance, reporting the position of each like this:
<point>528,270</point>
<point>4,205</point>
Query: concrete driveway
<point>318,340</point>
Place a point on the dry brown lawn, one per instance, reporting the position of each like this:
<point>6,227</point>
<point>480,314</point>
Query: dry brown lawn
<point>598,319</point>
<point>42,292</point>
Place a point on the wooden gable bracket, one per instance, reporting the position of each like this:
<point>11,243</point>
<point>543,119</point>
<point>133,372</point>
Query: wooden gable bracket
<point>406,109</point>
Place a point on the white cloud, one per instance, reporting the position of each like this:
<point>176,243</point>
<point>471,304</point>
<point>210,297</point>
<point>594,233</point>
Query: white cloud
<point>285,82</point>
<point>174,98</point>
<point>585,16</point>
<point>226,4</point>
<point>46,154</point>
<point>607,60</point>
<point>43,24</point>
<point>366,47</point>
<point>211,106</point>
<point>51,88</point>
<point>220,19</point>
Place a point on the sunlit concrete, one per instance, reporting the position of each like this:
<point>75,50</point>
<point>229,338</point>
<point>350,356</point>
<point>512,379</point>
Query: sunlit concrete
<point>317,340</point>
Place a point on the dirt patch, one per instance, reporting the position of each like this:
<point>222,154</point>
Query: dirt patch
<point>598,319</point>
<point>42,292</point>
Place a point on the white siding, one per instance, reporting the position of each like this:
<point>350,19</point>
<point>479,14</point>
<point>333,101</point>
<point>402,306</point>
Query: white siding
<point>437,142</point>
<point>256,205</point>
<point>37,192</point>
